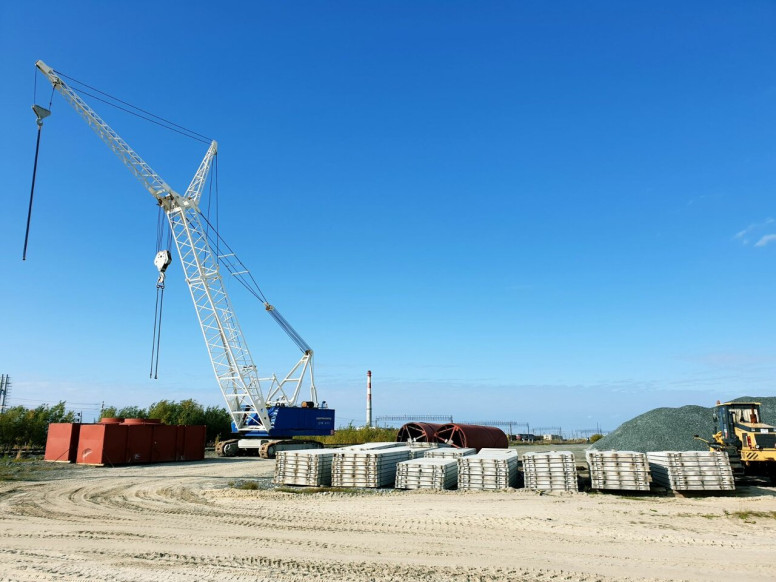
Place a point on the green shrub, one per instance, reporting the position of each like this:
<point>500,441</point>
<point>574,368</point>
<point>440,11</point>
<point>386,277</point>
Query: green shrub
<point>28,427</point>
<point>187,412</point>
<point>352,435</point>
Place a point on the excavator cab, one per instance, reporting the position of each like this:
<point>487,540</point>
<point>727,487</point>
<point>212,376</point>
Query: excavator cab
<point>744,415</point>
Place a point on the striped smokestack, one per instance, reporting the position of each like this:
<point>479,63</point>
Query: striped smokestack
<point>369,398</point>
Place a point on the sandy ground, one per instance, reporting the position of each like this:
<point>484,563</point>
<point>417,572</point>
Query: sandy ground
<point>188,522</point>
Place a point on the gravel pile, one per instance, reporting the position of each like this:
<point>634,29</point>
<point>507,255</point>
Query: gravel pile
<point>672,429</point>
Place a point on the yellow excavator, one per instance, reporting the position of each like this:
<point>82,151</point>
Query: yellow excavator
<point>749,443</point>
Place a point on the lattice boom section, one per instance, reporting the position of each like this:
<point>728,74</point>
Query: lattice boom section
<point>232,363</point>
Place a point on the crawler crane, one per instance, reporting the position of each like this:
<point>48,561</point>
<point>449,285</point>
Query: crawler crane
<point>264,422</point>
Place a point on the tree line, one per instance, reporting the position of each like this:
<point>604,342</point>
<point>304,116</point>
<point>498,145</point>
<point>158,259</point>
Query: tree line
<point>22,427</point>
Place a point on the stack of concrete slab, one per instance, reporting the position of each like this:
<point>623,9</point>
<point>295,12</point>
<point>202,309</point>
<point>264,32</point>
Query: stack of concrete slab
<point>490,469</point>
<point>373,446</point>
<point>619,470</point>
<point>450,453</point>
<point>365,467</point>
<point>427,473</point>
<point>419,450</point>
<point>310,467</point>
<point>692,470</point>
<point>550,471</point>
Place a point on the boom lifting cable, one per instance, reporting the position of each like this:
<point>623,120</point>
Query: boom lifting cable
<point>166,123</point>
<point>42,113</point>
<point>186,133</point>
<point>239,272</point>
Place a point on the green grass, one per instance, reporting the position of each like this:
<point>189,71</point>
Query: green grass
<point>244,485</point>
<point>309,490</point>
<point>703,515</point>
<point>21,469</point>
<point>748,516</point>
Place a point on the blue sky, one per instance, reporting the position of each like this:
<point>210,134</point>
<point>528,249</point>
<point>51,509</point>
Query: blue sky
<point>556,213</point>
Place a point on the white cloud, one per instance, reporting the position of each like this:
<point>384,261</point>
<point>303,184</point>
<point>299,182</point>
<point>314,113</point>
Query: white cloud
<point>751,230</point>
<point>768,238</point>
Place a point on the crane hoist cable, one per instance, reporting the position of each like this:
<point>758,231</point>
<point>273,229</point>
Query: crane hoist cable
<point>41,113</point>
<point>213,200</point>
<point>162,260</point>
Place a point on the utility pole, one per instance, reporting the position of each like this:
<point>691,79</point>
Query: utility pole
<point>5,384</point>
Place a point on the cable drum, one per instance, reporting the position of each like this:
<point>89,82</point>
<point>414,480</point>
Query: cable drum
<point>418,432</point>
<point>472,436</point>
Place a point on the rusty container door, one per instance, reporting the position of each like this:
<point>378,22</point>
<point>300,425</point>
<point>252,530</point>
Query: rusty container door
<point>180,442</point>
<point>164,441</point>
<point>194,447</point>
<point>102,444</point>
<point>62,442</point>
<point>140,438</point>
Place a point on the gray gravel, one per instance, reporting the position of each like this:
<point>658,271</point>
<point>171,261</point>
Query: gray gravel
<point>672,429</point>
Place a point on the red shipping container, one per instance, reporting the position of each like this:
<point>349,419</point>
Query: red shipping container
<point>102,444</point>
<point>164,443</point>
<point>62,442</point>
<point>194,445</point>
<point>140,438</point>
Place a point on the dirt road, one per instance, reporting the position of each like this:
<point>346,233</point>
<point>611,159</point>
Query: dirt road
<point>178,522</point>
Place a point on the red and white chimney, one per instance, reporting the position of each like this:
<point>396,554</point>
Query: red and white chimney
<point>369,398</point>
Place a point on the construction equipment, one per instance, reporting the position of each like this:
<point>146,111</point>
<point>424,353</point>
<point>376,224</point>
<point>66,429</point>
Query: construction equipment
<point>263,423</point>
<point>749,443</point>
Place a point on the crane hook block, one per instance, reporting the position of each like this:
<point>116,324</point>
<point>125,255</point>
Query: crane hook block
<point>41,113</point>
<point>162,260</point>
